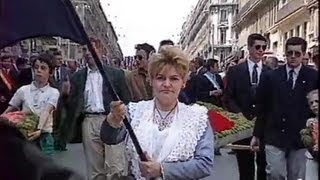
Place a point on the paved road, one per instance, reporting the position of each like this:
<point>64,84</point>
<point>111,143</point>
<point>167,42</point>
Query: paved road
<point>225,166</point>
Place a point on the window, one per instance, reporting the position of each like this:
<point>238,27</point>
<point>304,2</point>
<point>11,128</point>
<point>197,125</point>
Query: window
<point>223,36</point>
<point>304,32</point>
<point>275,47</point>
<point>285,37</point>
<point>291,33</point>
<point>223,15</point>
<point>298,31</point>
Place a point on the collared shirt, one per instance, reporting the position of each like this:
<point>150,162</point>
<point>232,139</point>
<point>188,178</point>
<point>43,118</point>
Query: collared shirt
<point>250,67</point>
<point>212,78</point>
<point>34,99</point>
<point>57,73</point>
<point>295,73</point>
<point>93,92</point>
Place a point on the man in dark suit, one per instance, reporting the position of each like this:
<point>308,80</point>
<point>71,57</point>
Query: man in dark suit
<point>88,104</point>
<point>8,81</point>
<point>282,113</point>
<point>209,86</point>
<point>59,80</point>
<point>240,98</point>
<point>25,76</point>
<point>61,73</point>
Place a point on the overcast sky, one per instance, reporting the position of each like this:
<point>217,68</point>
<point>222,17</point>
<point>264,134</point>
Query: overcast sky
<point>139,21</point>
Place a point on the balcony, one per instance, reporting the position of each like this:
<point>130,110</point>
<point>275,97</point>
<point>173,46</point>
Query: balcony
<point>220,4</point>
<point>247,9</point>
<point>291,7</point>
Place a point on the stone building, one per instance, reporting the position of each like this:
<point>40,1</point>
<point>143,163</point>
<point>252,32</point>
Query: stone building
<point>207,31</point>
<point>277,20</point>
<point>195,38</point>
<point>98,28</point>
<point>222,12</point>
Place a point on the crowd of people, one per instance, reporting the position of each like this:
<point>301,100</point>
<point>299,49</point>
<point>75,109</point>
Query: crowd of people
<point>159,94</point>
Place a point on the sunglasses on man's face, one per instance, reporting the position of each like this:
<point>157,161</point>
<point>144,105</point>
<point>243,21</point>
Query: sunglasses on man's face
<point>258,47</point>
<point>295,53</point>
<point>138,57</point>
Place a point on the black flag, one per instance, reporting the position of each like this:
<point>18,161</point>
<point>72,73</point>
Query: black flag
<point>23,19</point>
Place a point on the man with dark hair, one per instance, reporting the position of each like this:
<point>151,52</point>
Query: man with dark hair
<point>282,112</point>
<point>40,99</point>
<point>87,105</point>
<point>240,98</point>
<point>209,86</point>
<point>59,80</point>
<point>8,81</point>
<point>139,87</point>
<point>166,42</point>
<point>200,65</point>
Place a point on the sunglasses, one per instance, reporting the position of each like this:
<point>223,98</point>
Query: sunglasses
<point>295,53</point>
<point>258,47</point>
<point>138,57</point>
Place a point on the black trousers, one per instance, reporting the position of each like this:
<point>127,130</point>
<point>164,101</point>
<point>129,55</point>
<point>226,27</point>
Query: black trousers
<point>246,162</point>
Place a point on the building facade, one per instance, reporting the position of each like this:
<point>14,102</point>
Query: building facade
<point>222,12</point>
<point>97,26</point>
<point>195,38</point>
<point>277,20</point>
<point>207,32</point>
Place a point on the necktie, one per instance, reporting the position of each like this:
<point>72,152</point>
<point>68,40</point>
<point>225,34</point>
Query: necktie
<point>290,79</point>
<point>57,74</point>
<point>254,80</point>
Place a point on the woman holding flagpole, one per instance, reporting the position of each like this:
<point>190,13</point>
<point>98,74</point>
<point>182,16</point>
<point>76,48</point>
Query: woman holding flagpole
<point>177,138</point>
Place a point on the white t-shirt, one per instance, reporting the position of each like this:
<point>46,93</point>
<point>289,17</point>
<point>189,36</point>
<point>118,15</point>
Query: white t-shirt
<point>34,99</point>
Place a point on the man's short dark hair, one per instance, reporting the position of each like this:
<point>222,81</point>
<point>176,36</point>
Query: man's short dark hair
<point>254,37</point>
<point>45,58</point>
<point>211,62</point>
<point>199,61</point>
<point>166,42</point>
<point>293,41</point>
<point>146,47</point>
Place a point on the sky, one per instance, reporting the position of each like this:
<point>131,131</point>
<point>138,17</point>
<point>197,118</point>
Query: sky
<point>139,21</point>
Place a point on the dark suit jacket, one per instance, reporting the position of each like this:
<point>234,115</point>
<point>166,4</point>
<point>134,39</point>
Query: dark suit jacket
<point>203,88</point>
<point>283,112</point>
<point>65,74</point>
<point>239,94</point>
<point>188,95</point>
<point>25,77</point>
<point>71,126</point>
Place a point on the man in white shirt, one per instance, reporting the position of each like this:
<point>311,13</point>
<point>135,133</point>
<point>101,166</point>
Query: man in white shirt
<point>87,105</point>
<point>240,93</point>
<point>40,99</point>
<point>282,113</point>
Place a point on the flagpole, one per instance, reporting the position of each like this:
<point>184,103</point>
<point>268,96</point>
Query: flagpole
<point>113,93</point>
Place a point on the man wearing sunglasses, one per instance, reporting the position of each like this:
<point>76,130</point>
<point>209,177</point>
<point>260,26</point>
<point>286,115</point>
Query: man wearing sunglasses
<point>282,113</point>
<point>138,84</point>
<point>240,98</point>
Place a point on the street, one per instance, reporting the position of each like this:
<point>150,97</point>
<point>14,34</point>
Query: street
<point>225,166</point>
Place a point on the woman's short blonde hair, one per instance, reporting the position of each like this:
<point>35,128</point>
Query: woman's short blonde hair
<point>169,55</point>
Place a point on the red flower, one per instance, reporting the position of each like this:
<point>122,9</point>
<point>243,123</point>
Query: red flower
<point>219,122</point>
